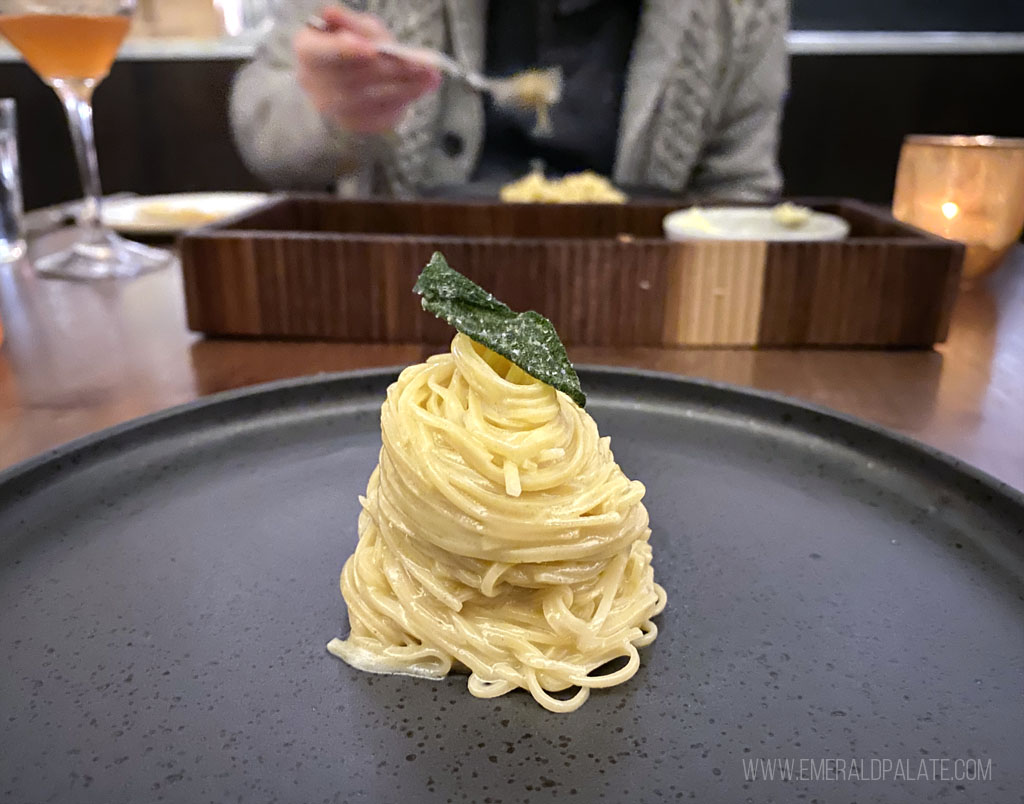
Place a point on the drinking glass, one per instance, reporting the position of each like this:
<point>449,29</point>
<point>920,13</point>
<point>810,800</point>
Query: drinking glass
<point>71,44</point>
<point>12,237</point>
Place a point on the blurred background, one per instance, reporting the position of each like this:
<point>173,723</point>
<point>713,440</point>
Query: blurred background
<point>864,74</point>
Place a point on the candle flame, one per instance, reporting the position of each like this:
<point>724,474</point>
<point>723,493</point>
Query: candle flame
<point>950,210</point>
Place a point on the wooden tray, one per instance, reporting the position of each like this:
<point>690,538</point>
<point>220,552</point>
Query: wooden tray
<point>320,267</point>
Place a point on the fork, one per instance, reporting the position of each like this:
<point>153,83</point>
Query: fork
<point>505,91</point>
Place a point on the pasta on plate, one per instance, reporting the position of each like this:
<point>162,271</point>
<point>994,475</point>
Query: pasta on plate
<point>498,536</point>
<point>575,188</point>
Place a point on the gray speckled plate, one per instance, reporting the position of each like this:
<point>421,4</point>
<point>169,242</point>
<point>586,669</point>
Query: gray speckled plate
<point>167,589</point>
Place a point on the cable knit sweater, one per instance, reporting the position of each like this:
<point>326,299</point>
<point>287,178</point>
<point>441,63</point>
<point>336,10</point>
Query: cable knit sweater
<point>700,114</point>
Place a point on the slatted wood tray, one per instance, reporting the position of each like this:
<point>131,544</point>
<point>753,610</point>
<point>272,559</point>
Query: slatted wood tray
<point>320,267</point>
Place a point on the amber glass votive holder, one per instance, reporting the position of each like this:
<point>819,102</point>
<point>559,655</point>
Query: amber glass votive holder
<point>969,189</point>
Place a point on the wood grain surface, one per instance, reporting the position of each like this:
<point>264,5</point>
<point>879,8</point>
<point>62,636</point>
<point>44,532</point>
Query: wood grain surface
<point>321,267</point>
<point>80,357</point>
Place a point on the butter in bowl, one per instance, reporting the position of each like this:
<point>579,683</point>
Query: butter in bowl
<point>784,222</point>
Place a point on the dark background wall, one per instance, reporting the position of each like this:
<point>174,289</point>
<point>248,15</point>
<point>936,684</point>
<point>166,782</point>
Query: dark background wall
<point>163,126</point>
<point>908,15</point>
<point>160,127</point>
<point>846,116</point>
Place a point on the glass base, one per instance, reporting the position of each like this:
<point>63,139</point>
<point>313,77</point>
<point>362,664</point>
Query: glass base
<point>104,256</point>
<point>11,250</point>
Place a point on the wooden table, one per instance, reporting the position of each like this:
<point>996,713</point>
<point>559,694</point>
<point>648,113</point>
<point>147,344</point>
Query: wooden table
<point>80,357</point>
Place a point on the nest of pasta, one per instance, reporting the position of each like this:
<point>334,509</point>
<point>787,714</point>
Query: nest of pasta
<point>498,534</point>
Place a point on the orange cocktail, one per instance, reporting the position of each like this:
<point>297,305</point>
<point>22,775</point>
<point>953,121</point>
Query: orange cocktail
<point>71,45</point>
<point>74,47</point>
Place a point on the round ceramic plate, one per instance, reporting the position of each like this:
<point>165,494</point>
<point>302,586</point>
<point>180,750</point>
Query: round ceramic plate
<point>749,223</point>
<point>168,587</point>
<point>170,214</point>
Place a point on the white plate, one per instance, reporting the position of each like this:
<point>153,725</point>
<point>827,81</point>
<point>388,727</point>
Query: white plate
<point>748,223</point>
<point>170,214</point>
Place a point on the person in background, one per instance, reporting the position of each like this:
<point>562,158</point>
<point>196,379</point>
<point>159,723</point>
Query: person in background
<point>681,96</point>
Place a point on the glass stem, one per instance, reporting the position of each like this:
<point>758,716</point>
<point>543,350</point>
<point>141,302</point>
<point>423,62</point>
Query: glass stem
<point>77,100</point>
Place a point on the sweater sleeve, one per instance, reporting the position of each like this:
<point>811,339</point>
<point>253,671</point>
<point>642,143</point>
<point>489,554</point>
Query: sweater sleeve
<point>280,135</point>
<point>740,160</point>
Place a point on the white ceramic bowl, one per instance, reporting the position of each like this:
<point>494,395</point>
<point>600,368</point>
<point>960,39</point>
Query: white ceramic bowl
<point>749,223</point>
